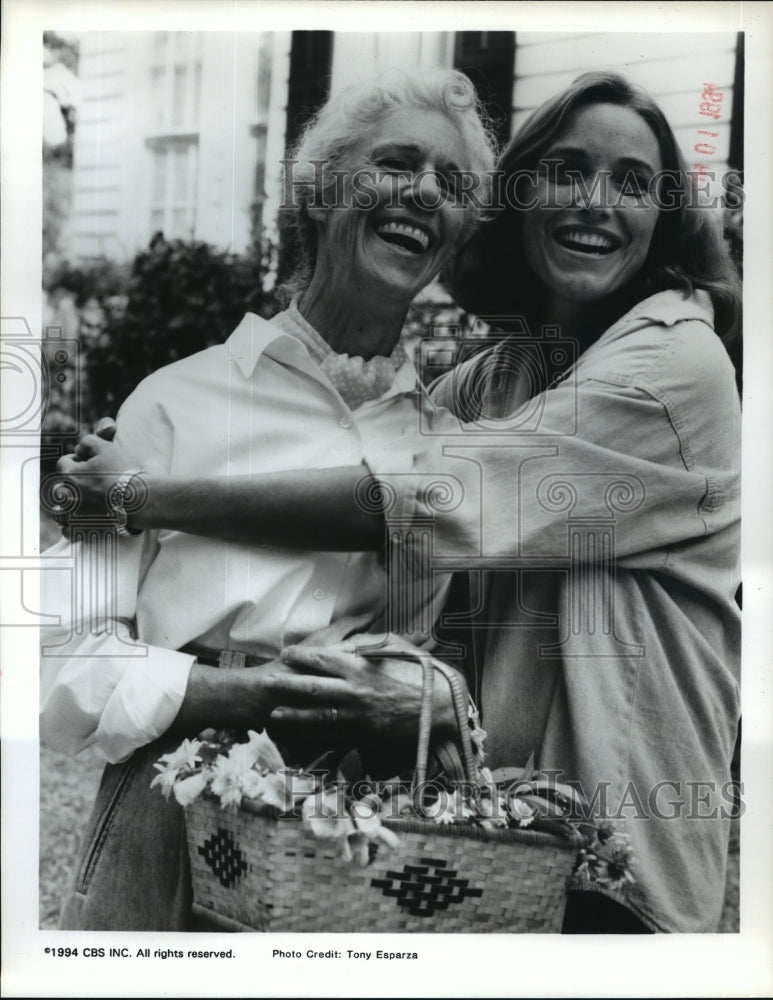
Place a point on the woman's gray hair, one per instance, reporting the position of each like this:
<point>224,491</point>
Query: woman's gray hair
<point>329,136</point>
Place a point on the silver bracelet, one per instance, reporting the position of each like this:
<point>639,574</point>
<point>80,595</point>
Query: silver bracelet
<point>117,499</point>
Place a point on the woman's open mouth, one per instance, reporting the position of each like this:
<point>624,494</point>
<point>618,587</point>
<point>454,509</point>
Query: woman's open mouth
<point>592,244</point>
<point>404,236</point>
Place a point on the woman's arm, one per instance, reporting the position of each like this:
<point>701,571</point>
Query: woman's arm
<point>311,509</point>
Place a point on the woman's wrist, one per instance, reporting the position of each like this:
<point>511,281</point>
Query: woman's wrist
<point>223,699</point>
<point>144,516</point>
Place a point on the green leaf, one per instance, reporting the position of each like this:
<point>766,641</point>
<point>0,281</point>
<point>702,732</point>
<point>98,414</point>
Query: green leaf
<point>543,806</point>
<point>351,769</point>
<point>565,792</point>
<point>507,775</point>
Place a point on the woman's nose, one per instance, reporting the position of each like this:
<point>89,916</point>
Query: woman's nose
<point>427,189</point>
<point>591,192</point>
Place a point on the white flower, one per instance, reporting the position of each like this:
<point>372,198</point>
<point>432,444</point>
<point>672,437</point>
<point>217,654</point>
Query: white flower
<point>368,822</point>
<point>171,765</point>
<point>299,786</point>
<point>165,779</point>
<point>520,811</point>
<point>186,755</point>
<point>358,847</point>
<point>262,750</point>
<point>271,790</point>
<point>450,808</point>
<point>492,811</point>
<point>326,817</point>
<point>228,781</point>
<point>188,789</point>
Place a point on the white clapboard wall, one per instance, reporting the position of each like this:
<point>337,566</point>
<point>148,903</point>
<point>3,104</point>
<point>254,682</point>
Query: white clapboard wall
<point>171,130</point>
<point>673,68</point>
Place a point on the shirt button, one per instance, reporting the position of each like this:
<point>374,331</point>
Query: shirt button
<point>345,422</point>
<point>319,594</point>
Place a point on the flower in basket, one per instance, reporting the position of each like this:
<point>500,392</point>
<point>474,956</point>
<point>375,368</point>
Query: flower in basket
<point>607,861</point>
<point>255,770</point>
<point>174,765</point>
<point>187,790</point>
<point>353,829</point>
<point>451,807</point>
<point>329,800</point>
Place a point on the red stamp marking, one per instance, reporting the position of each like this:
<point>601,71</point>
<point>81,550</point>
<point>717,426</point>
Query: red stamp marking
<point>710,107</point>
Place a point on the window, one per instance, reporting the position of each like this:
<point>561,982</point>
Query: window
<point>173,191</point>
<point>176,70</point>
<point>176,80</point>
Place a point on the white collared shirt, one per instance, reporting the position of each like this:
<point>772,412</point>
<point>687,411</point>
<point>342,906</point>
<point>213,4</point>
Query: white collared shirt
<point>258,403</point>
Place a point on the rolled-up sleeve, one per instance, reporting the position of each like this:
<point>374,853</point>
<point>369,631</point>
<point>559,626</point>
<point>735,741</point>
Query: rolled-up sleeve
<point>577,453</point>
<point>100,686</point>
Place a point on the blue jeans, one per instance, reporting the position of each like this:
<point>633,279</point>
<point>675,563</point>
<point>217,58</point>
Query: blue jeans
<point>132,871</point>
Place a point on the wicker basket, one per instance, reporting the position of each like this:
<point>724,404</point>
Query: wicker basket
<point>254,872</point>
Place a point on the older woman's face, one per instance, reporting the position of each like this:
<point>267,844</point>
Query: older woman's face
<point>591,230</point>
<point>399,218</point>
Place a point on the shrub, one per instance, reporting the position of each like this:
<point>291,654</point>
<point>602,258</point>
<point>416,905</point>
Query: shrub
<point>181,298</point>
<point>175,298</point>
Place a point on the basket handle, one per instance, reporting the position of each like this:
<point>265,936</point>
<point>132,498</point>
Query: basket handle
<point>429,664</point>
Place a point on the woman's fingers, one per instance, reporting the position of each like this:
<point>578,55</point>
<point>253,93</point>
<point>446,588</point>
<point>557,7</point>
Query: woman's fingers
<point>330,660</point>
<point>336,632</point>
<point>89,446</point>
<point>106,428</point>
<point>67,464</point>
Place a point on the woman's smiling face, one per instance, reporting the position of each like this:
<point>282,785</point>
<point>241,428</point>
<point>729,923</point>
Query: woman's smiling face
<point>586,249</point>
<point>400,220</point>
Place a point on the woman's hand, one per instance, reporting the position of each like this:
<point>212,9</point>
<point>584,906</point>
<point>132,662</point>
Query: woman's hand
<point>94,468</point>
<point>379,695</point>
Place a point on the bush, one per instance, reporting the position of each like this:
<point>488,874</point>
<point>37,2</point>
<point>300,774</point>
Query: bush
<point>181,298</point>
<point>175,298</point>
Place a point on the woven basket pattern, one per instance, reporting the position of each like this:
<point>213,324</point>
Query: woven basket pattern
<point>270,874</point>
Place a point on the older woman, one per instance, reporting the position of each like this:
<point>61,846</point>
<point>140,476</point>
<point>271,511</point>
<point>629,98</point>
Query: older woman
<point>595,476</point>
<point>319,385</point>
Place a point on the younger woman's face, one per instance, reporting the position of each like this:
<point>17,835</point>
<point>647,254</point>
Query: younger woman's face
<point>591,229</point>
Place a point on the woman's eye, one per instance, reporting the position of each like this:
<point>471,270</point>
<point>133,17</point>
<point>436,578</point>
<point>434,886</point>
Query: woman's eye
<point>631,183</point>
<point>394,163</point>
<point>568,171</point>
<point>445,183</point>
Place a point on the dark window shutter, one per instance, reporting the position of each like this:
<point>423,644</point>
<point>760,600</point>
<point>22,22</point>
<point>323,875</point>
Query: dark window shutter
<point>488,59</point>
<point>311,56</point>
<point>735,157</point>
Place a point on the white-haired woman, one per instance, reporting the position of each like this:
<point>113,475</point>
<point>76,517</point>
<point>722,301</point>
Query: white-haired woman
<point>375,179</point>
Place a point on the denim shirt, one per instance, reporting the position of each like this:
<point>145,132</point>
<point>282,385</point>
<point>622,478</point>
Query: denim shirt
<point>603,535</point>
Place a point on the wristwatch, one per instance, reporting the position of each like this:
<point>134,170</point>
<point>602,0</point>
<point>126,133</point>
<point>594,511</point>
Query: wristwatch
<point>117,499</point>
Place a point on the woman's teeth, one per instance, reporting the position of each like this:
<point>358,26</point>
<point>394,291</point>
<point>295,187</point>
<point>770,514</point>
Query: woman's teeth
<point>404,235</point>
<point>590,243</point>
